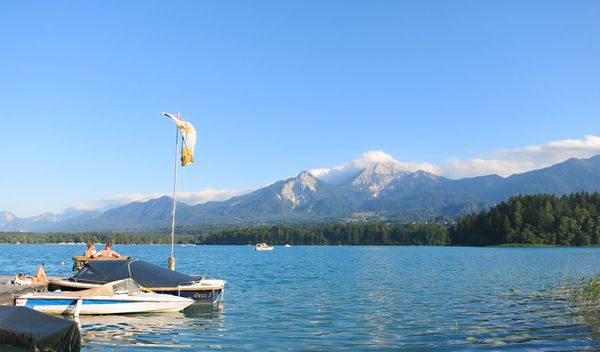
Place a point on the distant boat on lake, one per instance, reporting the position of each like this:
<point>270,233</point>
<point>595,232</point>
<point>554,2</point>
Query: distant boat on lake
<point>263,247</point>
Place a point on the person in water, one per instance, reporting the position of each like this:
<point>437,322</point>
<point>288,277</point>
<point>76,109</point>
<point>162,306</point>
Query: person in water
<point>91,250</point>
<point>107,252</point>
<point>40,277</point>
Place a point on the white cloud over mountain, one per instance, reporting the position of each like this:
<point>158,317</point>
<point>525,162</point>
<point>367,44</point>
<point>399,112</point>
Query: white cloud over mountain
<point>199,197</point>
<point>503,162</point>
<point>341,173</point>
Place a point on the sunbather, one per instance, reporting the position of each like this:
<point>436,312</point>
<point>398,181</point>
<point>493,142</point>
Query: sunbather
<point>40,277</point>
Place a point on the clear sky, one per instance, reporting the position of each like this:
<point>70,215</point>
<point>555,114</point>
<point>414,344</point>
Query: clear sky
<point>275,87</point>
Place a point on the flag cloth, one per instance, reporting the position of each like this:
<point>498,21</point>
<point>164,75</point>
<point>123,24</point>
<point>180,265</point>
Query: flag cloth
<point>188,136</point>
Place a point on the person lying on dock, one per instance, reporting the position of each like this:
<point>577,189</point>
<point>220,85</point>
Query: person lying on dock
<point>90,251</point>
<point>40,277</point>
<point>107,252</point>
<point>21,279</point>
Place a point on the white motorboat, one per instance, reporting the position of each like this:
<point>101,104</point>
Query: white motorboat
<point>263,247</point>
<point>287,245</point>
<point>119,297</point>
<point>150,276</point>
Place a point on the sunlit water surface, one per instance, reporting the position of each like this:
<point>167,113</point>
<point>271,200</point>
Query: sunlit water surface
<point>359,298</point>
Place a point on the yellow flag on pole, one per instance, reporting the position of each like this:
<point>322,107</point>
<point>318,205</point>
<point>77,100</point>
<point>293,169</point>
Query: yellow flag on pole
<point>188,134</point>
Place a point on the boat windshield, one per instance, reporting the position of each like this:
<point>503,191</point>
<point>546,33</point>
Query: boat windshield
<point>128,286</point>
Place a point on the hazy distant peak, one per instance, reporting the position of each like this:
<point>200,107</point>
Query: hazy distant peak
<point>6,217</point>
<point>46,216</point>
<point>423,173</point>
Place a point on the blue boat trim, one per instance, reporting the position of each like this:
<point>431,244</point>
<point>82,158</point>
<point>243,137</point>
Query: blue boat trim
<point>68,302</point>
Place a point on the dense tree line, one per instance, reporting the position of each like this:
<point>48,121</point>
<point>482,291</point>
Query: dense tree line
<point>569,220</point>
<point>333,234</point>
<point>327,234</point>
<point>96,237</point>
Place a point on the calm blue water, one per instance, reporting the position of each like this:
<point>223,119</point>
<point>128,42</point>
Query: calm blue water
<point>359,298</point>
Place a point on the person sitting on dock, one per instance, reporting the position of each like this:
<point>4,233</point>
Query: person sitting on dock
<point>107,252</point>
<point>91,250</point>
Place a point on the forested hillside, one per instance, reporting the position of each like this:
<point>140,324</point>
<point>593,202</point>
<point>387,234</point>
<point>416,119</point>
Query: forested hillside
<point>570,220</point>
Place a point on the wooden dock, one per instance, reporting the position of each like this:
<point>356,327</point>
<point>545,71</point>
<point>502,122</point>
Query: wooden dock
<point>7,291</point>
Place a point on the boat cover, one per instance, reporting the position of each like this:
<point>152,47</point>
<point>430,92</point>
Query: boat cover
<point>144,273</point>
<point>103,290</point>
<point>36,331</point>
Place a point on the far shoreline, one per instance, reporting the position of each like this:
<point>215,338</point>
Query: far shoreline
<point>507,245</point>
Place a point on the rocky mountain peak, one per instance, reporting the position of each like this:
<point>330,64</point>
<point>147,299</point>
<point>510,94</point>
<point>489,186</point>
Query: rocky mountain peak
<point>376,177</point>
<point>307,180</point>
<point>298,190</point>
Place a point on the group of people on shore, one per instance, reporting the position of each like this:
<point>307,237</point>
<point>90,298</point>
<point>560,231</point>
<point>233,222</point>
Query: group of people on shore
<point>40,275</point>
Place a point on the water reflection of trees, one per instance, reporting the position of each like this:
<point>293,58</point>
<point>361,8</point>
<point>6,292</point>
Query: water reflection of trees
<point>166,330</point>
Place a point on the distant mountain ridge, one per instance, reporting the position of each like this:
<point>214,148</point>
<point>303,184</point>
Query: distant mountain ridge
<point>381,189</point>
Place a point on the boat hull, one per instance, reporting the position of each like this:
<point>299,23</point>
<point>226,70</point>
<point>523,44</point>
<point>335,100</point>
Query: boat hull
<point>119,304</point>
<point>263,247</point>
<point>200,296</point>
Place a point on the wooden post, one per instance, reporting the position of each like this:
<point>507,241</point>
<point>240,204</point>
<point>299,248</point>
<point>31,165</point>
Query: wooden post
<point>172,263</point>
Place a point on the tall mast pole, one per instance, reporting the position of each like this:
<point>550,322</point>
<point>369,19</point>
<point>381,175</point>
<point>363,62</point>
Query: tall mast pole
<point>171,260</point>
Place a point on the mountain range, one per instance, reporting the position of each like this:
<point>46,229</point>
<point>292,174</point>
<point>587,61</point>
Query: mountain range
<point>380,191</point>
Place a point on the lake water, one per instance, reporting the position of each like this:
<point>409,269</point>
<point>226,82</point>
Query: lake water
<point>359,298</point>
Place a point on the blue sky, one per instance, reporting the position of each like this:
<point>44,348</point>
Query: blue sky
<point>275,87</point>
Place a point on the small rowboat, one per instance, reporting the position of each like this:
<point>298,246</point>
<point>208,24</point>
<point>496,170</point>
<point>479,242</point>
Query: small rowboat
<point>119,297</point>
